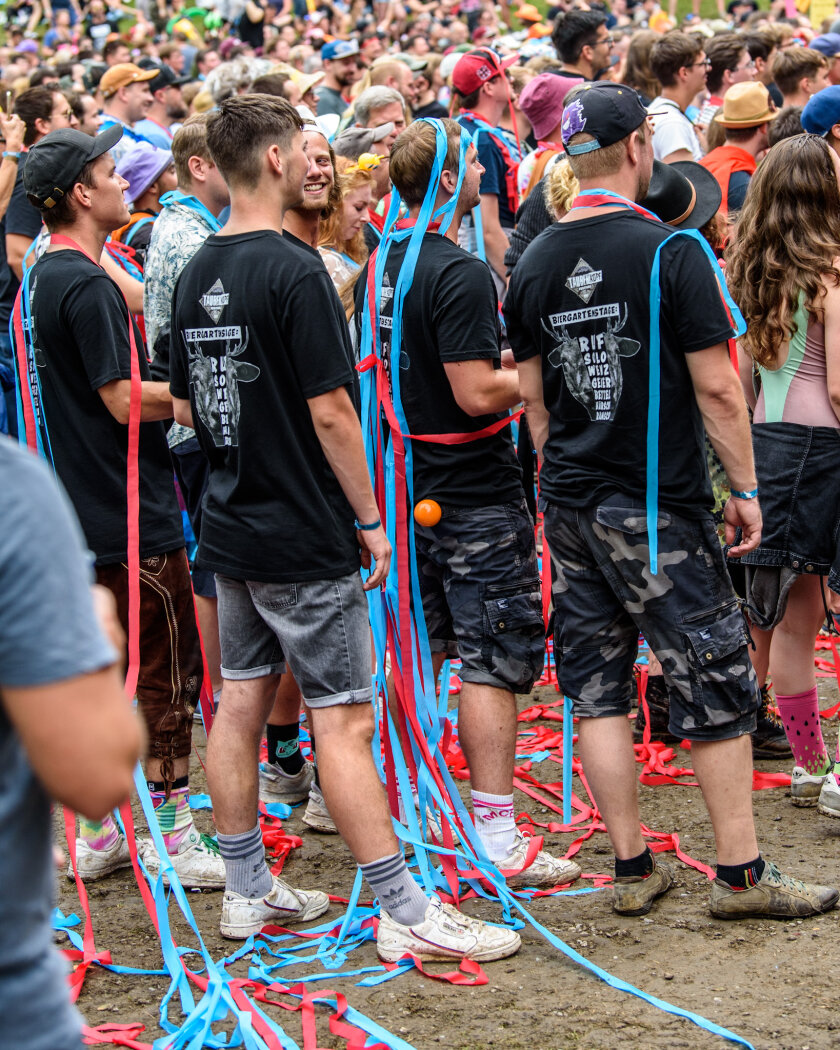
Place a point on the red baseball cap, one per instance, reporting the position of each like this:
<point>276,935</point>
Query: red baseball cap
<point>477,67</point>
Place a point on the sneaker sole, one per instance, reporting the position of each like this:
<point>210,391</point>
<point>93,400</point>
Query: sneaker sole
<point>828,812</point>
<point>502,952</point>
<point>314,909</point>
<point>804,803</point>
<point>521,881</point>
<point>104,872</point>
<point>289,800</point>
<point>728,916</point>
<point>323,828</point>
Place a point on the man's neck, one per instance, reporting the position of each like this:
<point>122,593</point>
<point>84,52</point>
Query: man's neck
<point>250,212</point>
<point>202,197</point>
<point>584,70</point>
<point>489,111</point>
<point>800,98</point>
<point>452,233</point>
<point>753,147</point>
<point>331,83</point>
<point>88,238</point>
<point>116,111</point>
<point>303,225</point>
<point>158,115</point>
<point>624,183</point>
<point>679,94</point>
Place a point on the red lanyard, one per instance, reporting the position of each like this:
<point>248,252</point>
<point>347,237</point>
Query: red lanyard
<point>510,164</point>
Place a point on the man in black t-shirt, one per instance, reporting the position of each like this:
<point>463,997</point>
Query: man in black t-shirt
<point>79,342</point>
<point>578,318</point>
<point>262,365</point>
<point>478,566</point>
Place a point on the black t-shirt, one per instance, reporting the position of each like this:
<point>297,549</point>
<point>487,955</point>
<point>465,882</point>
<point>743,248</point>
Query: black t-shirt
<point>81,343</point>
<point>580,298</point>
<point>257,329</point>
<point>449,314</point>
<point>431,109</point>
<point>22,217</point>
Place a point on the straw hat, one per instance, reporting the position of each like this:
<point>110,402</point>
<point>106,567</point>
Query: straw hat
<point>746,105</point>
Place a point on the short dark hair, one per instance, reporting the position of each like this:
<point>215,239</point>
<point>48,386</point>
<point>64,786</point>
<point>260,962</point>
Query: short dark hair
<point>759,45</point>
<point>786,125</point>
<point>34,104</point>
<point>270,84</point>
<point>242,128</point>
<point>738,135</point>
<point>672,53</point>
<point>42,73</point>
<point>794,63</point>
<point>573,30</point>
<point>724,52</point>
<point>111,47</point>
<point>63,212</point>
<point>413,155</point>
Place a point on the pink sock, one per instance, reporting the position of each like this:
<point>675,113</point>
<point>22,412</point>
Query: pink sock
<point>801,717</point>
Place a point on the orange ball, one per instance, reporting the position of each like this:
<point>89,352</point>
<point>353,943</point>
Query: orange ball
<point>427,512</point>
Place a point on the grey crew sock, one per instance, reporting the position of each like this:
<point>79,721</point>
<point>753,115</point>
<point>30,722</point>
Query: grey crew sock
<point>245,867</point>
<point>398,893</point>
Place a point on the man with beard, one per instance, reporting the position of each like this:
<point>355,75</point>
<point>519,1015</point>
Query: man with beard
<point>340,58</point>
<point>168,109</point>
<point>598,374</point>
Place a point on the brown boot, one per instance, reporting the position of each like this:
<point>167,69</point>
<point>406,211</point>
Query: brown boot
<point>769,740</point>
<point>659,706</point>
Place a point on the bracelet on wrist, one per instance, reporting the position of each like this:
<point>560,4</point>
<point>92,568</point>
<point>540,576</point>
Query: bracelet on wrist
<point>369,528</point>
<point>752,494</point>
<point>12,155</point>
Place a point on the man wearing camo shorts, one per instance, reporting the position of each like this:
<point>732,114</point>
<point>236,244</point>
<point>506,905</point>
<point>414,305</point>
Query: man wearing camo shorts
<point>578,317</point>
<point>478,565</point>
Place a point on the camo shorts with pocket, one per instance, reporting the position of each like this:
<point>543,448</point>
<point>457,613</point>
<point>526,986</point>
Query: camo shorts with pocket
<point>481,593</point>
<point>605,595</point>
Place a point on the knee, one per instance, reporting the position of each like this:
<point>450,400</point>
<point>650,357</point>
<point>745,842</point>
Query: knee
<point>350,726</point>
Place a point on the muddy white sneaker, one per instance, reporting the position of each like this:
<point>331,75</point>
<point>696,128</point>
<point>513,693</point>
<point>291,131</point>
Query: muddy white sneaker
<point>282,906</point>
<point>95,864</point>
<point>444,934</point>
<point>544,870</point>
<point>829,800</point>
<point>316,815</point>
<point>277,786</point>
<point>199,865</point>
<point>804,788</point>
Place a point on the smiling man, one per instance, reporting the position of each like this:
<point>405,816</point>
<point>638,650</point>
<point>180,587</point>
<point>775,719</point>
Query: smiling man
<point>303,219</point>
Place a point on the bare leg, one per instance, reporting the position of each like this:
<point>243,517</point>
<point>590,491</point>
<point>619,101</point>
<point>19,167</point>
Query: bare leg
<point>487,731</point>
<point>724,771</point>
<point>792,649</point>
<point>233,752</point>
<point>606,750</point>
<point>760,656</point>
<point>287,701</point>
<point>207,613</point>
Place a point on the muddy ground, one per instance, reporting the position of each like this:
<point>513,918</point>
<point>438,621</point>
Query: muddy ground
<point>770,982</point>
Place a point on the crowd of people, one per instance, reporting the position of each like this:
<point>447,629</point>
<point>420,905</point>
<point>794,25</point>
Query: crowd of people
<point>211,220</point>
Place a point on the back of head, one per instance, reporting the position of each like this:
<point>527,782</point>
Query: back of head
<point>413,156</point>
<point>794,63</point>
<point>637,71</point>
<point>786,125</point>
<point>242,129</point>
<point>190,140</point>
<point>573,30</point>
<point>33,104</point>
<point>672,53</point>
<point>375,98</point>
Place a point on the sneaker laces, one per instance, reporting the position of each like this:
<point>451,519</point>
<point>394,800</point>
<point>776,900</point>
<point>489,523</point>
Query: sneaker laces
<point>788,882</point>
<point>208,844</point>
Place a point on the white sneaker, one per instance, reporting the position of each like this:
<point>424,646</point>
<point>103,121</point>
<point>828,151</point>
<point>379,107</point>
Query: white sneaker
<point>316,815</point>
<point>805,788</point>
<point>198,864</point>
<point>95,864</point>
<point>829,800</point>
<point>444,934</point>
<point>282,906</point>
<point>544,870</point>
<point>277,786</point>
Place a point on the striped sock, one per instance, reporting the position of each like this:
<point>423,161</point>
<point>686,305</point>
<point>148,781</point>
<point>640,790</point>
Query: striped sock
<point>99,834</point>
<point>398,893</point>
<point>741,876</point>
<point>245,867</point>
<point>173,814</point>
<point>494,823</point>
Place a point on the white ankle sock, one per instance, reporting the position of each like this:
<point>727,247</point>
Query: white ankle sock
<point>494,823</point>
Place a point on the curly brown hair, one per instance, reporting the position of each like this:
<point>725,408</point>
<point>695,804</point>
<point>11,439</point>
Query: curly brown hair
<point>786,242</point>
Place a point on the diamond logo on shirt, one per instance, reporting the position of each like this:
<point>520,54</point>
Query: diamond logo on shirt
<point>215,301</point>
<point>583,280</point>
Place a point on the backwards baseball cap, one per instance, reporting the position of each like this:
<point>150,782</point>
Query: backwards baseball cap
<point>828,44</point>
<point>822,111</point>
<point>55,162</point>
<point>541,100</point>
<point>339,49</point>
<point>353,142</point>
<point>166,75</point>
<point>123,74</point>
<point>477,67</point>
<point>608,112</point>
<point>141,166</point>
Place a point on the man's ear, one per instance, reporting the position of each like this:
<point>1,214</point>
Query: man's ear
<point>42,126</point>
<point>448,180</point>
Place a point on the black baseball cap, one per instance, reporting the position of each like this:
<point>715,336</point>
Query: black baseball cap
<point>55,162</point>
<point>167,77</point>
<point>608,112</point>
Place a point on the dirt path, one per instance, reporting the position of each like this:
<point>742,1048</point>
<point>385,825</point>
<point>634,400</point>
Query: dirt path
<point>770,982</point>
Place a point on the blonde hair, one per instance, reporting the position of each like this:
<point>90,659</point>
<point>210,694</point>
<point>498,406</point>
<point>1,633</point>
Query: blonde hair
<point>349,177</point>
<point>561,188</point>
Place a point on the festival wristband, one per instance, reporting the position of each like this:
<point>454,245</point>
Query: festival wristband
<point>744,495</point>
<point>369,528</point>
<point>11,155</point>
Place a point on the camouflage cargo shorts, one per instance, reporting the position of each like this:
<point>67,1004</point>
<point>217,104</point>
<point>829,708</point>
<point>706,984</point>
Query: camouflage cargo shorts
<point>481,593</point>
<point>605,595</point>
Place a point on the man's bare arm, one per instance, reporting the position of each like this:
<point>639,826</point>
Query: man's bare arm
<point>155,403</point>
<point>480,389</point>
<point>531,389</point>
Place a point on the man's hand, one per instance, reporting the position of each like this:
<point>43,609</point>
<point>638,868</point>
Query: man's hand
<point>12,129</point>
<point>745,513</point>
<point>375,545</point>
<point>105,607</point>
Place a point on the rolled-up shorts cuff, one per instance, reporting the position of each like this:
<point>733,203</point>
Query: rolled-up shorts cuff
<point>244,674</point>
<point>350,696</point>
<point>476,677</point>
<point>743,726</point>
<point>441,645</point>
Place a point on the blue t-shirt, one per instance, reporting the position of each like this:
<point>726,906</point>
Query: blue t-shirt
<point>492,159</point>
<point>48,633</point>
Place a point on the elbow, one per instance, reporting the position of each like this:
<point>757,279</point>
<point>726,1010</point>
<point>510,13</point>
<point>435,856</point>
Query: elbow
<point>183,416</point>
<point>834,398</point>
<point>119,409</point>
<point>476,404</point>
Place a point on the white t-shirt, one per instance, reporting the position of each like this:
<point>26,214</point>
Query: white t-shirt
<point>672,130</point>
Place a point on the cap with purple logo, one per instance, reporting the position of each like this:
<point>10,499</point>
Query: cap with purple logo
<point>607,112</point>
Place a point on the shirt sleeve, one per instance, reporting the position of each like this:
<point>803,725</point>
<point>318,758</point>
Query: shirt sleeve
<point>692,298</point>
<point>519,335</point>
<point>97,318</point>
<point>21,217</point>
<point>465,313</point>
<point>739,182</point>
<point>318,339</point>
<point>493,179</point>
<point>44,581</point>
<point>672,134</point>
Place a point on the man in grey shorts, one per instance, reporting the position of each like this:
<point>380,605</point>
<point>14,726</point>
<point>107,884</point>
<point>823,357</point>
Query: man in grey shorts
<point>578,318</point>
<point>261,364</point>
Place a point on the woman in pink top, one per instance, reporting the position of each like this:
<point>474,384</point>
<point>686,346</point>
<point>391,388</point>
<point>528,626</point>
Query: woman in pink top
<point>783,269</point>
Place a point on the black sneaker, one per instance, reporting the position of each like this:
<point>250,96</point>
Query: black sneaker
<point>769,739</point>
<point>659,706</point>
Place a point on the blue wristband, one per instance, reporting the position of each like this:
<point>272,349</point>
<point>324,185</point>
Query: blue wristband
<point>369,528</point>
<point>744,495</point>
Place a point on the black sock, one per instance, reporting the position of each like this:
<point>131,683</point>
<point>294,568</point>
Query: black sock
<point>635,867</point>
<point>284,747</point>
<point>159,785</point>
<point>741,876</point>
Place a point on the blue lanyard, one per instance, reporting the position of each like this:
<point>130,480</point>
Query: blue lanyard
<point>194,204</point>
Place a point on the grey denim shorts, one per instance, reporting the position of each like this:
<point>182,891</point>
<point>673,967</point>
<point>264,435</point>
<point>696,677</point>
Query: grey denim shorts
<point>318,628</point>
